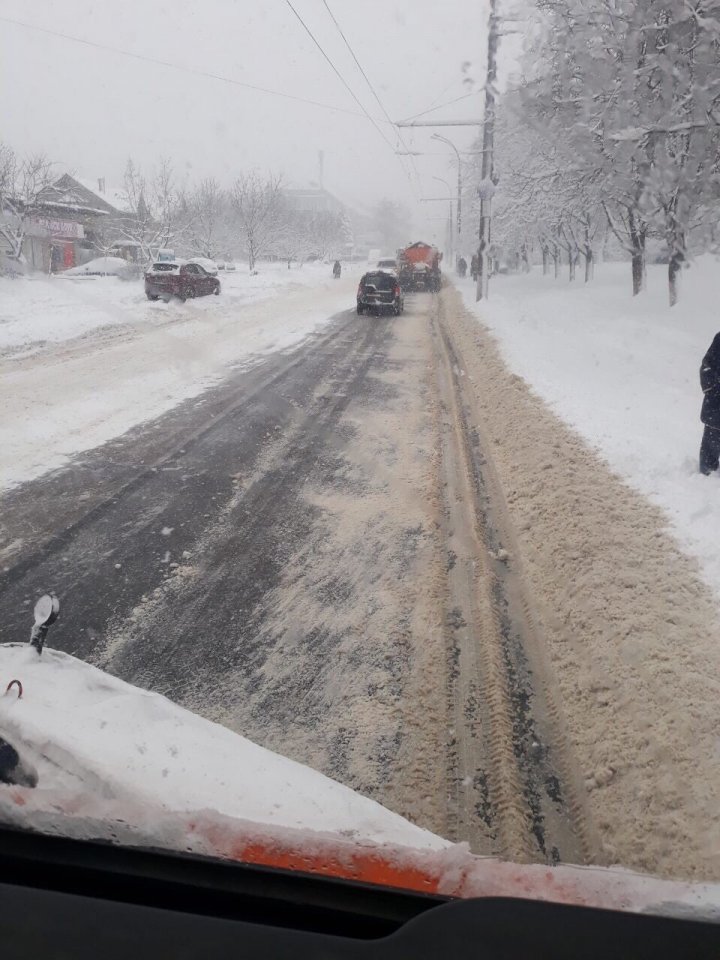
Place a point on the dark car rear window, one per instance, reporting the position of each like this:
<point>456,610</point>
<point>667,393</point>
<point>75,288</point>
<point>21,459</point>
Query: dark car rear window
<point>165,267</point>
<point>381,281</point>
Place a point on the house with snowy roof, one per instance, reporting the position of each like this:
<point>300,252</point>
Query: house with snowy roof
<point>74,220</point>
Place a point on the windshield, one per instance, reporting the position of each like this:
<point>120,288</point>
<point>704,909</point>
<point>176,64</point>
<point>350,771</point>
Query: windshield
<point>380,281</point>
<point>440,566</point>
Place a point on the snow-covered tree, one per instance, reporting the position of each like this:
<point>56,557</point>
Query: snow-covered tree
<point>205,210</point>
<point>326,233</point>
<point>257,213</point>
<point>292,242</point>
<point>628,93</point>
<point>155,209</point>
<point>23,183</point>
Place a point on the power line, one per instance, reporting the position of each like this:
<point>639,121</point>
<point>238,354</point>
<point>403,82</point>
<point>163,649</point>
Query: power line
<point>357,63</point>
<point>346,84</point>
<point>367,80</point>
<point>440,106</point>
<point>177,66</point>
<point>339,75</point>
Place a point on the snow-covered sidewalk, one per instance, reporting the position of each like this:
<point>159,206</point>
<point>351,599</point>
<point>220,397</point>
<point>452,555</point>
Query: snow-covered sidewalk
<point>623,372</point>
<point>89,358</point>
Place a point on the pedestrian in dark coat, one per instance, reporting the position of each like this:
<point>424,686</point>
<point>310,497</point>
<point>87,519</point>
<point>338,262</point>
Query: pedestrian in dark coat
<point>474,266</point>
<point>462,266</point>
<point>710,414</point>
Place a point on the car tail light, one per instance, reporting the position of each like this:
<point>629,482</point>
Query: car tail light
<point>396,291</point>
<point>359,289</point>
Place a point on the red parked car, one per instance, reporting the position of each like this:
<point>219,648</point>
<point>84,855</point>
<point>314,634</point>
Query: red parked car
<point>175,278</point>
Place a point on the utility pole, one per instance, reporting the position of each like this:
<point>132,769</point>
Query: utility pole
<point>452,123</point>
<point>487,185</point>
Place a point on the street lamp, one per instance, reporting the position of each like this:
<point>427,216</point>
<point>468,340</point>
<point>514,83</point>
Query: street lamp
<point>436,136</point>
<point>450,229</point>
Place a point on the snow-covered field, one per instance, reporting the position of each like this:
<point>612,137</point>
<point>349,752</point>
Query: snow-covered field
<point>86,359</point>
<point>623,372</point>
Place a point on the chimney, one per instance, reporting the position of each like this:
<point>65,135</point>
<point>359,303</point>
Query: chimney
<point>101,184</point>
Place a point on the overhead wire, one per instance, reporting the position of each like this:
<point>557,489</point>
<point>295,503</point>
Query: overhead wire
<point>183,68</point>
<point>447,103</point>
<point>339,75</point>
<point>372,88</point>
<point>347,86</point>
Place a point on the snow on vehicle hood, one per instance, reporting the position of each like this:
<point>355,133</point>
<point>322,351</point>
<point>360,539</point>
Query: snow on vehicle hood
<point>120,764</point>
<point>86,732</point>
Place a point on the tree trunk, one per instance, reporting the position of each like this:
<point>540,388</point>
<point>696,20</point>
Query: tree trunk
<point>589,264</point>
<point>556,262</point>
<point>676,247</point>
<point>638,273</point>
<point>674,268</point>
<point>571,266</point>
<point>545,261</point>
<point>525,258</point>
<point>637,240</point>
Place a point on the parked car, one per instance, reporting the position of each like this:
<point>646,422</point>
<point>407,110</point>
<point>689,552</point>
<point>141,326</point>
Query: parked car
<point>176,278</point>
<point>380,290</point>
<point>104,267</point>
<point>220,264</point>
<point>229,266</point>
<point>209,266</point>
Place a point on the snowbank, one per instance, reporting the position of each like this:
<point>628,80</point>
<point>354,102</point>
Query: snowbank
<point>623,372</point>
<point>88,733</point>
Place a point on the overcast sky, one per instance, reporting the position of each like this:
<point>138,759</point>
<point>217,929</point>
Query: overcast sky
<point>90,108</point>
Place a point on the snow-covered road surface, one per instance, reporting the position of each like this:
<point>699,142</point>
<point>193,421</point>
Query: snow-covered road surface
<point>87,359</point>
<point>381,555</point>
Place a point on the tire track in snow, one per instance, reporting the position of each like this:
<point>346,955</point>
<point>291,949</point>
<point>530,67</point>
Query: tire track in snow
<point>514,791</point>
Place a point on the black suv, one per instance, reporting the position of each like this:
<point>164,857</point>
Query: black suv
<point>380,290</point>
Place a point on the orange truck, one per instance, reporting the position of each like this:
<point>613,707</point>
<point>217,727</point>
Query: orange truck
<point>419,267</point>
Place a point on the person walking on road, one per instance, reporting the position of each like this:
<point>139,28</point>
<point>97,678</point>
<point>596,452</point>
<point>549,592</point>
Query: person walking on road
<point>462,267</point>
<point>337,269</point>
<point>474,266</point>
<point>710,414</point>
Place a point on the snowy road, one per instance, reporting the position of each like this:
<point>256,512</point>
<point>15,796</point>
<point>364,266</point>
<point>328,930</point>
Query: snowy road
<point>379,555</point>
<point>274,556</point>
